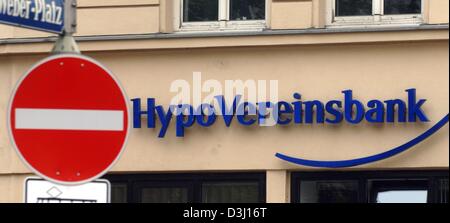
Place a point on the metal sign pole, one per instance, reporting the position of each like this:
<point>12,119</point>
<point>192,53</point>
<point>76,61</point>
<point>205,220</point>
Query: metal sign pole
<point>66,43</point>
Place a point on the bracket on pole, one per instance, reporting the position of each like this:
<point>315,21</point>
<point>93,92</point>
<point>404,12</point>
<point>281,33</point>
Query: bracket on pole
<point>66,43</point>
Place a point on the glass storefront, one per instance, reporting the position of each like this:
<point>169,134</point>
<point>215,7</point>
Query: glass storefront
<point>306,187</point>
<point>188,188</point>
<point>370,187</point>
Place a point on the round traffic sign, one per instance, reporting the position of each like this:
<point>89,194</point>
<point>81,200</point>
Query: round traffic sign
<point>68,119</point>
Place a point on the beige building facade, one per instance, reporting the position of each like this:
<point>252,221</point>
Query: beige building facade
<point>312,47</point>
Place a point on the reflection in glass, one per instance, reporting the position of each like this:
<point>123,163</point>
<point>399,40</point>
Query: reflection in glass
<point>403,196</point>
<point>228,192</point>
<point>200,10</point>
<point>353,7</point>
<point>443,191</point>
<point>399,191</point>
<point>164,195</point>
<point>247,9</point>
<point>329,191</point>
<point>397,7</point>
<point>118,193</point>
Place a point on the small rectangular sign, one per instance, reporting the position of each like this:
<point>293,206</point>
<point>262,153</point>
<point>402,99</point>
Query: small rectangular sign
<point>43,15</point>
<point>42,191</point>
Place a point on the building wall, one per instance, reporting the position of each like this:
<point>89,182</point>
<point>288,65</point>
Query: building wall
<point>375,65</point>
<point>101,17</point>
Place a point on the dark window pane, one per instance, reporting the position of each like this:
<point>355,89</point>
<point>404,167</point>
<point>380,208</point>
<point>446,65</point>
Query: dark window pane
<point>230,192</point>
<point>329,192</point>
<point>353,7</point>
<point>398,191</point>
<point>200,10</point>
<point>164,195</point>
<point>392,7</point>
<point>443,191</point>
<point>247,9</point>
<point>118,193</point>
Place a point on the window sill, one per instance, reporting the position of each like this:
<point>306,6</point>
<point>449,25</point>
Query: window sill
<point>217,31</point>
<point>375,26</point>
<point>230,26</point>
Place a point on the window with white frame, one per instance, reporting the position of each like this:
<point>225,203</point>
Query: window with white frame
<point>375,12</point>
<point>212,15</point>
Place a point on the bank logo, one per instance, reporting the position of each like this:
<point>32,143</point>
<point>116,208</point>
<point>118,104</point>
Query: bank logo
<point>251,110</point>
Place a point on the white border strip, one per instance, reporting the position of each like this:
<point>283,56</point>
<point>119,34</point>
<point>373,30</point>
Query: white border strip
<point>62,119</point>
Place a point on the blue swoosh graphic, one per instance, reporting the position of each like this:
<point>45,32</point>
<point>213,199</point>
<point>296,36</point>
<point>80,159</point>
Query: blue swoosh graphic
<point>369,159</point>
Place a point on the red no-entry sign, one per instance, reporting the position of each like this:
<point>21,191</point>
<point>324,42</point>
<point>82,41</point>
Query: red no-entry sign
<point>69,119</point>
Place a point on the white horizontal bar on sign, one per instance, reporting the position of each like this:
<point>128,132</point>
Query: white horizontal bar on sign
<point>62,119</point>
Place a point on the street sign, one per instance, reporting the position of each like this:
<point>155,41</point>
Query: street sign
<point>68,119</point>
<point>55,16</point>
<point>41,191</point>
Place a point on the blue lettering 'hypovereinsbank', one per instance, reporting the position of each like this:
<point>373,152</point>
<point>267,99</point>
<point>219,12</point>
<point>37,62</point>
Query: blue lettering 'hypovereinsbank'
<point>350,110</point>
